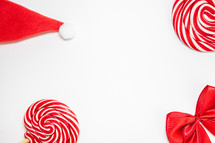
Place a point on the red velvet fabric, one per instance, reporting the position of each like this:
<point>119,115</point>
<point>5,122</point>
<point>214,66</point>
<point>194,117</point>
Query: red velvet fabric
<point>18,22</point>
<point>186,128</point>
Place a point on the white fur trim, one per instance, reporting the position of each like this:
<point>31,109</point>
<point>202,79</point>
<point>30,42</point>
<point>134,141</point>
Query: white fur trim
<point>67,31</point>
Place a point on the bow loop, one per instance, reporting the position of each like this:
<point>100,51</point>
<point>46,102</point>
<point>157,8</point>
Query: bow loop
<point>186,128</point>
<point>179,125</point>
<point>206,100</point>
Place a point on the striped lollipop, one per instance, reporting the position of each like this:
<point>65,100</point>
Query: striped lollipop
<point>194,23</point>
<point>50,121</point>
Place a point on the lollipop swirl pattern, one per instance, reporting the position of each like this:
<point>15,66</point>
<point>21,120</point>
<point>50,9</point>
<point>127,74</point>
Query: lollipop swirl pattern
<point>194,23</point>
<point>50,121</point>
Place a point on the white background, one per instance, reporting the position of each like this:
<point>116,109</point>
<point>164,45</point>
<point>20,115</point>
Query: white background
<point>123,72</point>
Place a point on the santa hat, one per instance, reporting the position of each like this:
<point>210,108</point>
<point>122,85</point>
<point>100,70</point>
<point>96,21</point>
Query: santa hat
<point>18,22</point>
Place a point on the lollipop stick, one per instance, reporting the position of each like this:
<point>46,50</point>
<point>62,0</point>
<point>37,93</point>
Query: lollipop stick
<point>25,141</point>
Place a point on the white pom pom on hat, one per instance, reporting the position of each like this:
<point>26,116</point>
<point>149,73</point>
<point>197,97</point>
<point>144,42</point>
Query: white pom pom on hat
<point>67,31</point>
<point>18,23</point>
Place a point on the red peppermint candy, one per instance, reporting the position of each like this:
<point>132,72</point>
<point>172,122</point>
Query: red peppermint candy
<point>194,23</point>
<point>50,121</point>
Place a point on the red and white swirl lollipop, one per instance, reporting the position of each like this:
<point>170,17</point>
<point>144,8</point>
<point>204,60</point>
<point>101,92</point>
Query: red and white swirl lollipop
<point>194,23</point>
<point>50,121</point>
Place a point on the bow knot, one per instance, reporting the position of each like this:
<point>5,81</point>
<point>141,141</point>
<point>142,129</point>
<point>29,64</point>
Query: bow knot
<point>198,119</point>
<point>186,128</point>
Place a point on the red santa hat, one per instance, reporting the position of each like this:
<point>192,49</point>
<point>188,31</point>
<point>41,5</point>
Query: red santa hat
<point>18,22</point>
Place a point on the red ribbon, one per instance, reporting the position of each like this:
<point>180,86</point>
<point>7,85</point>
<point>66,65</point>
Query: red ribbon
<point>186,128</point>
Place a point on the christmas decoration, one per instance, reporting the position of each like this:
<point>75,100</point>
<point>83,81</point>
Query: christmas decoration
<point>18,22</point>
<point>194,23</point>
<point>186,128</point>
<point>50,121</point>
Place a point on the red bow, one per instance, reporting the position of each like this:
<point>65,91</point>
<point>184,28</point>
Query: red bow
<point>186,128</point>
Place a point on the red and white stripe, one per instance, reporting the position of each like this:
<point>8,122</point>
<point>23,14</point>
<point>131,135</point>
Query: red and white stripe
<point>50,121</point>
<point>194,23</point>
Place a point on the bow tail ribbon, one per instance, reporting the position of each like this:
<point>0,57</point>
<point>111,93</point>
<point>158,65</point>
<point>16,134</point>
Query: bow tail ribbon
<point>186,128</point>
